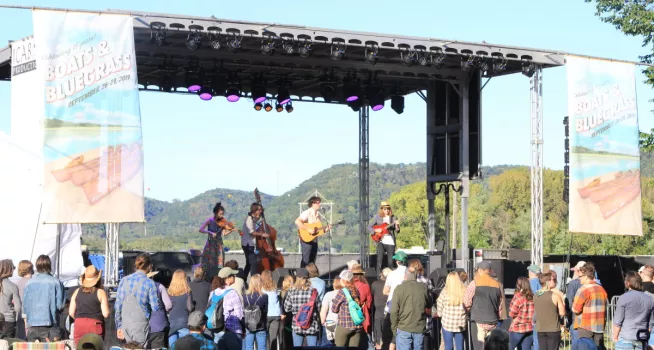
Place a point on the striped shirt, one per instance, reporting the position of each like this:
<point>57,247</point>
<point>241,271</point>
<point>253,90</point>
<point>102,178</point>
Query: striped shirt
<point>453,317</point>
<point>522,312</point>
<point>590,301</point>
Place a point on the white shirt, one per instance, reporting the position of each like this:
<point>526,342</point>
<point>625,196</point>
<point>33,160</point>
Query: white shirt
<point>327,302</point>
<point>387,239</point>
<point>310,216</point>
<point>248,227</point>
<point>393,280</point>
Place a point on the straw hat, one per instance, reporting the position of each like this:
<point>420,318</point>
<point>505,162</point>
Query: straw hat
<point>384,204</point>
<point>357,270</point>
<point>90,277</point>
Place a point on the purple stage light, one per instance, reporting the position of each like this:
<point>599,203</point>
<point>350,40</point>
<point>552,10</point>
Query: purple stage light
<point>233,98</point>
<point>377,107</point>
<point>285,101</point>
<point>260,99</point>
<point>205,96</point>
<point>194,88</point>
<point>352,98</point>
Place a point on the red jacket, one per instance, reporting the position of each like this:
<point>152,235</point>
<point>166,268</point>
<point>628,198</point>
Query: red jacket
<point>366,299</point>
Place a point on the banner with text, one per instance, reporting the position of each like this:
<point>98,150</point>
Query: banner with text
<point>26,116</point>
<point>93,155</point>
<point>604,154</point>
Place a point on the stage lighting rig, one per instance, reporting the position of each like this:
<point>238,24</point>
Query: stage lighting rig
<point>351,90</point>
<point>423,58</point>
<point>305,49</point>
<point>283,97</point>
<point>371,53</point>
<point>233,92</point>
<point>288,46</point>
<point>528,68</point>
<point>376,97</point>
<point>206,93</point>
<point>499,64</point>
<point>214,39</point>
<point>408,57</point>
<point>234,43</point>
<point>468,62</point>
<point>327,91</point>
<point>259,91</point>
<point>267,46</point>
<point>258,106</point>
<point>289,107</point>
<point>355,105</point>
<point>279,108</point>
<point>267,107</point>
<point>484,65</point>
<point>397,104</point>
<point>193,41</point>
<point>194,80</point>
<point>337,51</point>
<point>437,58</point>
<point>158,34</point>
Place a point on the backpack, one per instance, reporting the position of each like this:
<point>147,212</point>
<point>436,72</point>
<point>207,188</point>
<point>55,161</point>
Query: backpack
<point>355,310</point>
<point>216,313</point>
<point>252,315</point>
<point>303,317</point>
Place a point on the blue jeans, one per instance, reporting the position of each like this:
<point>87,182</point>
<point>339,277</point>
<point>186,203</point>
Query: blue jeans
<point>574,336</point>
<point>261,337</point>
<point>522,341</point>
<point>312,339</point>
<point>624,344</point>
<point>172,338</point>
<point>408,341</point>
<point>227,340</point>
<point>450,338</point>
<point>535,338</point>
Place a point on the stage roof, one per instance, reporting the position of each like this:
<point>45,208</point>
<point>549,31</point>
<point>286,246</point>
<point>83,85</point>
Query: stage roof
<point>430,59</point>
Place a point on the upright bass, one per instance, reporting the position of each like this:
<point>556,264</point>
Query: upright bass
<point>271,258</point>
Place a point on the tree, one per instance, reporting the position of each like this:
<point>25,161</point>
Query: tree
<point>646,141</point>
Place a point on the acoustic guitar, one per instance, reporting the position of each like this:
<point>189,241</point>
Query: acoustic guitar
<point>385,229</point>
<point>317,231</point>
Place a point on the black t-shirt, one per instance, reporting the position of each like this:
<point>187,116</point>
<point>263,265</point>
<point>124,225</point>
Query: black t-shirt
<point>648,287</point>
<point>378,298</point>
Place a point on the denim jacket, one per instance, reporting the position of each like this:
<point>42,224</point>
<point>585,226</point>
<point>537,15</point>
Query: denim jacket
<point>43,298</point>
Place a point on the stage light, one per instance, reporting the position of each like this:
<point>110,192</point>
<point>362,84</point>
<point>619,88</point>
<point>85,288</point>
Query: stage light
<point>259,92</point>
<point>214,39</point>
<point>499,64</point>
<point>258,106</point>
<point>215,44</point>
<point>267,47</point>
<point>484,65</point>
<point>193,81</point>
<point>267,107</point>
<point>234,44</point>
<point>408,57</point>
<point>422,58</point>
<point>289,107</point>
<point>377,102</point>
<point>166,83</point>
<point>305,50</point>
<point>337,51</point>
<point>371,53</point>
<point>205,93</point>
<point>528,68</point>
<point>288,46</point>
<point>233,94</point>
<point>467,62</point>
<point>283,96</point>
<point>351,91</point>
<point>437,59</point>
<point>279,108</point>
<point>193,41</point>
<point>158,35</point>
<point>327,92</point>
<point>397,104</point>
<point>355,105</point>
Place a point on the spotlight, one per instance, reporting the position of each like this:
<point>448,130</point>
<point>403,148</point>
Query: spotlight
<point>279,108</point>
<point>288,46</point>
<point>355,105</point>
<point>233,94</point>
<point>267,107</point>
<point>377,101</point>
<point>397,104</point>
<point>351,91</point>
<point>193,81</point>
<point>423,58</point>
<point>327,92</point>
<point>258,106</point>
<point>467,62</point>
<point>484,65</point>
<point>337,51</point>
<point>305,50</point>
<point>158,35</point>
<point>214,38</point>
<point>234,44</point>
<point>205,93</point>
<point>259,92</point>
<point>215,44</point>
<point>283,96</point>
<point>371,53</point>
<point>499,64</point>
<point>528,68</point>
<point>437,58</point>
<point>289,107</point>
<point>408,57</point>
<point>267,47</point>
<point>193,41</point>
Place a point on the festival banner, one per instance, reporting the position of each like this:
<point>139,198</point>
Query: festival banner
<point>93,154</point>
<point>605,196</point>
<point>26,116</point>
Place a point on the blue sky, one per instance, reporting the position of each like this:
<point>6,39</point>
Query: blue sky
<point>193,146</point>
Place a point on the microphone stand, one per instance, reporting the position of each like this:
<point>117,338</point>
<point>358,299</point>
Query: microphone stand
<point>329,252</point>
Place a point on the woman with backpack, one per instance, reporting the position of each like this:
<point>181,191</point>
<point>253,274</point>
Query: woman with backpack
<point>256,311</point>
<point>329,318</point>
<point>347,305</point>
<point>365,295</point>
<point>180,296</point>
<point>274,314</point>
<point>230,336</point>
<point>303,302</point>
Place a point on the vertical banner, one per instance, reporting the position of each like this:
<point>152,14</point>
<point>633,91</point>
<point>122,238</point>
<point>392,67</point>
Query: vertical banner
<point>26,115</point>
<point>604,154</point>
<point>93,157</point>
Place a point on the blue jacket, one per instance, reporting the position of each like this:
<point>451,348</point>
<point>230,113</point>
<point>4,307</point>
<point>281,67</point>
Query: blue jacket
<point>42,299</point>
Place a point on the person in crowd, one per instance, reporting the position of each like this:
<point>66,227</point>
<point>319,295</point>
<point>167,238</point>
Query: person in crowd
<point>449,306</point>
<point>316,282</point>
<point>589,307</point>
<point>44,297</point>
<point>351,263</point>
<point>410,300</point>
<point>571,291</point>
<point>25,272</point>
<point>89,305</point>
<point>180,295</point>
<point>634,311</point>
<point>416,266</point>
<point>239,283</point>
<point>549,310</point>
<point>196,339</point>
<point>464,277</point>
<point>393,280</point>
<point>329,318</point>
<point>273,316</point>
<point>159,323</point>
<point>136,299</point>
<point>553,285</point>
<point>365,296</point>
<point>90,341</point>
<point>232,336</point>
<point>256,297</point>
<point>10,303</point>
<point>521,311</point>
<point>379,303</point>
<point>287,316</point>
<point>385,246</point>
<point>534,281</point>
<point>347,333</point>
<point>498,339</point>
<point>200,289</point>
<point>646,274</point>
<point>299,295</point>
<point>488,306</point>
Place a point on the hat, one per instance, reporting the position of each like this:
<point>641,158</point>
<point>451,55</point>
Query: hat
<point>90,277</point>
<point>197,319</point>
<point>578,266</point>
<point>386,271</point>
<point>346,275</point>
<point>357,270</point>
<point>351,263</point>
<point>534,268</point>
<point>152,273</point>
<point>400,256</point>
<point>384,204</point>
<point>484,265</point>
<point>90,341</point>
<point>226,272</point>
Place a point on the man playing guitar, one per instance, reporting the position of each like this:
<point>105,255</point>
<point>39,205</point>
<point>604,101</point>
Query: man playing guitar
<point>386,245</point>
<point>309,216</point>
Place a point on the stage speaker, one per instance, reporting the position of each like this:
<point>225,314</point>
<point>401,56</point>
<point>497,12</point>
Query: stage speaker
<point>439,275</point>
<point>168,262</point>
<point>279,274</point>
<point>371,275</point>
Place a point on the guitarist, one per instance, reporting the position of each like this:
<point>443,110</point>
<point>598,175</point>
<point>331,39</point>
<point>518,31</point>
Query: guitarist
<point>387,244</point>
<point>248,239</point>
<point>309,216</point>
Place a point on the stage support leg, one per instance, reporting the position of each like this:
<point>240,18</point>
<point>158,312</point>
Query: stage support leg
<point>431,208</point>
<point>112,249</point>
<point>465,168</point>
<point>364,185</point>
<point>537,167</point>
<point>57,267</point>
<point>446,239</point>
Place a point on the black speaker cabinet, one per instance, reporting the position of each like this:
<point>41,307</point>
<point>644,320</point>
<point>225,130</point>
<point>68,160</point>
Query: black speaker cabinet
<point>279,274</point>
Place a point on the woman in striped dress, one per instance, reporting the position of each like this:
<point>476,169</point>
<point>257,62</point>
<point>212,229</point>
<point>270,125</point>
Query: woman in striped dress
<point>213,254</point>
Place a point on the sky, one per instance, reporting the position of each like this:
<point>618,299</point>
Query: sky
<point>191,146</point>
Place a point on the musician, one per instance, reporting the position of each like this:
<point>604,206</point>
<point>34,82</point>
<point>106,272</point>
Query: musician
<point>213,253</point>
<point>387,244</point>
<point>309,216</point>
<point>251,225</point>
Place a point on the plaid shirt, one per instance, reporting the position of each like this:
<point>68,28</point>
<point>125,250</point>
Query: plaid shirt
<point>232,309</point>
<point>590,301</point>
<point>340,306</point>
<point>522,312</point>
<point>146,295</point>
<point>453,317</point>
<point>294,300</point>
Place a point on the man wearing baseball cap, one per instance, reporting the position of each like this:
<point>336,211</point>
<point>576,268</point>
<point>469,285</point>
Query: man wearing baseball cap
<point>488,306</point>
<point>534,282</point>
<point>393,280</point>
<point>197,322</point>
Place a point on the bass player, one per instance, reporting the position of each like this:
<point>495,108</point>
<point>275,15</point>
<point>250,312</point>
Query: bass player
<point>386,246</point>
<point>248,240</point>
<point>309,216</point>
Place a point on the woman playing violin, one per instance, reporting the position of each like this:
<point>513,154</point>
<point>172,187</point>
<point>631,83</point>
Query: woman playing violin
<point>213,254</point>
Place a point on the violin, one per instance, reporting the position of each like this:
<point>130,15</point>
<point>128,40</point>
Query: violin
<point>271,258</point>
<point>227,225</point>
